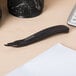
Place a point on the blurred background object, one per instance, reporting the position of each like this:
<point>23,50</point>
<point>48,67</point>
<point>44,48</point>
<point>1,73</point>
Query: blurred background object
<point>4,15</point>
<point>25,8</point>
<point>0,13</point>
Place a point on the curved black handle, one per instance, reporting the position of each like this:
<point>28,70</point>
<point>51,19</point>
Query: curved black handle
<point>40,36</point>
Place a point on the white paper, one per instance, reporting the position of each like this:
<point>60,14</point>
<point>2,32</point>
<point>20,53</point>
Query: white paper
<point>57,61</point>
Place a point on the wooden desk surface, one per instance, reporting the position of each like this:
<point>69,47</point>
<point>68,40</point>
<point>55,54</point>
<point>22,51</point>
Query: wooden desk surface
<point>12,28</point>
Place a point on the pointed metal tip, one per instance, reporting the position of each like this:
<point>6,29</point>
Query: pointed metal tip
<point>10,44</point>
<point>7,44</point>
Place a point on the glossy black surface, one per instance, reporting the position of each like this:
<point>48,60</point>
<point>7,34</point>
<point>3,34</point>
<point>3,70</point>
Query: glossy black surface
<point>25,8</point>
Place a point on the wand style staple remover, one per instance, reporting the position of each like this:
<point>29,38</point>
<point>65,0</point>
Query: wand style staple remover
<point>39,36</point>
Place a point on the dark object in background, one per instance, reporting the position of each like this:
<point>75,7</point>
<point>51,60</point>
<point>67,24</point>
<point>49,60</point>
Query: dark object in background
<point>0,13</point>
<point>25,8</point>
<point>40,36</point>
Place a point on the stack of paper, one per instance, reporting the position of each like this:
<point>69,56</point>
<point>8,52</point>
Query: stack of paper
<point>57,61</point>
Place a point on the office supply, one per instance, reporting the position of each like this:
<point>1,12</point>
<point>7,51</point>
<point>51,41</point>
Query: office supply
<point>72,17</point>
<point>25,8</point>
<point>57,61</point>
<point>40,36</point>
